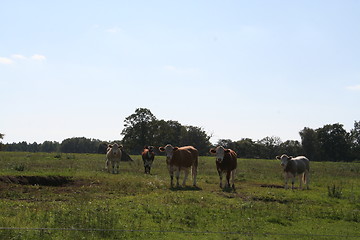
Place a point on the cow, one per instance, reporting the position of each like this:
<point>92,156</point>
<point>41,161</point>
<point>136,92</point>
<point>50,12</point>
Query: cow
<point>295,166</point>
<point>181,158</point>
<point>148,156</point>
<point>226,161</point>
<point>113,157</point>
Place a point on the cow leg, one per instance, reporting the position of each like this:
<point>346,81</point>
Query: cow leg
<point>292,182</point>
<point>172,181</point>
<point>177,174</point>
<point>194,174</point>
<point>228,173</point>
<point>185,176</point>
<point>117,167</point>
<point>233,178</point>
<point>220,176</point>
<point>307,179</point>
<point>301,178</point>
<point>107,165</point>
<point>113,167</point>
<point>171,172</point>
<point>286,178</point>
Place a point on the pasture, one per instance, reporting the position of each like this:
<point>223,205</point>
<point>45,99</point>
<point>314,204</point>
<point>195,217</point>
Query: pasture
<point>71,196</point>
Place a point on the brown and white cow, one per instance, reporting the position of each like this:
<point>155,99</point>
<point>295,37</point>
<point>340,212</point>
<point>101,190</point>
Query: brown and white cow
<point>113,157</point>
<point>295,166</point>
<point>181,158</point>
<point>148,156</point>
<point>226,161</point>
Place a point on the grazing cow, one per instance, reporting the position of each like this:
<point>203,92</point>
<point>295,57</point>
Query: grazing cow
<point>181,158</point>
<point>148,156</point>
<point>113,157</point>
<point>226,161</point>
<point>295,166</point>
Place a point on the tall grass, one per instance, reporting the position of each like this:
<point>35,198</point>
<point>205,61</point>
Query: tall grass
<point>132,205</point>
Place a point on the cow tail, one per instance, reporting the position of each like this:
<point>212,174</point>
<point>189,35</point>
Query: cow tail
<point>304,177</point>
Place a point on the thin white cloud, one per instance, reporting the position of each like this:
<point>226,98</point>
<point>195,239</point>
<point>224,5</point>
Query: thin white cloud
<point>354,88</point>
<point>38,57</point>
<point>113,30</point>
<point>18,56</point>
<point>4,60</point>
<point>170,68</point>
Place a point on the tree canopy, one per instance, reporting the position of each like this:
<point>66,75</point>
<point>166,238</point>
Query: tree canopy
<point>328,143</point>
<point>143,128</point>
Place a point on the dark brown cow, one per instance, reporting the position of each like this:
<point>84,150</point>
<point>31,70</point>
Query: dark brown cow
<point>226,161</point>
<point>148,156</point>
<point>181,158</point>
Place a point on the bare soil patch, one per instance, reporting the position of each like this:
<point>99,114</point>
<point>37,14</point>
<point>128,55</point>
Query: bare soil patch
<point>37,180</point>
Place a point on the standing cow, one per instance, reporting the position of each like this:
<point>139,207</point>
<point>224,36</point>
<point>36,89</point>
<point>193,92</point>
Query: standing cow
<point>295,166</point>
<point>113,157</point>
<point>148,156</point>
<point>181,158</point>
<point>226,161</point>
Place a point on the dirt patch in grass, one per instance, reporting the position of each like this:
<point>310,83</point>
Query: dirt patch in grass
<point>37,180</point>
<point>271,186</point>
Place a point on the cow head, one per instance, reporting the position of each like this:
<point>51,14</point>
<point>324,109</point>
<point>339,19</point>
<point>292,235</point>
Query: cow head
<point>220,152</point>
<point>284,159</point>
<point>169,150</point>
<point>150,148</point>
<point>115,148</point>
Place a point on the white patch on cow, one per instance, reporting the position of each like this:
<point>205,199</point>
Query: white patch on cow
<point>220,151</point>
<point>299,166</point>
<point>113,157</point>
<point>169,152</point>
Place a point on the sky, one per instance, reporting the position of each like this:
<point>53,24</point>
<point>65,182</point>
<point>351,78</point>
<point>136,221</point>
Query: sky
<point>237,69</point>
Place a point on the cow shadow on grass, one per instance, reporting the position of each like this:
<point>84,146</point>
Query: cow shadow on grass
<point>229,190</point>
<point>186,188</point>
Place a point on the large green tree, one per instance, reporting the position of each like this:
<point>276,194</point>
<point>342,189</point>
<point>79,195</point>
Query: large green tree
<point>355,141</point>
<point>139,130</point>
<point>334,144</point>
<point>310,144</point>
<point>143,128</point>
<point>1,137</point>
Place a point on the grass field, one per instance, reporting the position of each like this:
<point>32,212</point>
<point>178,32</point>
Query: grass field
<point>89,203</point>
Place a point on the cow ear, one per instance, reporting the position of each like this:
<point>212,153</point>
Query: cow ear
<point>146,147</point>
<point>290,157</point>
<point>120,146</point>
<point>212,150</point>
<point>110,146</point>
<point>176,148</point>
<point>161,149</point>
<point>277,157</point>
<point>227,150</point>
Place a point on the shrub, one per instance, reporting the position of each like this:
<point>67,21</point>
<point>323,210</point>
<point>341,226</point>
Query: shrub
<point>335,191</point>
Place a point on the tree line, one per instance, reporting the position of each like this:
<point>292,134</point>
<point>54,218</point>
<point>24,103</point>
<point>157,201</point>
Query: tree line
<point>328,143</point>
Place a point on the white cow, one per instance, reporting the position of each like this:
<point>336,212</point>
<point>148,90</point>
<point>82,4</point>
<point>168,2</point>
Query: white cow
<point>113,157</point>
<point>295,166</point>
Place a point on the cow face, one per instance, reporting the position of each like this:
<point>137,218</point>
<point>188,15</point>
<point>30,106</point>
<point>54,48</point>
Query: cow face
<point>169,151</point>
<point>220,152</point>
<point>284,159</point>
<point>151,148</point>
<point>115,148</point>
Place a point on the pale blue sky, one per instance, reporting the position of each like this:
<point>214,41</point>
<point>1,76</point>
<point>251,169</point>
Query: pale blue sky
<point>235,68</point>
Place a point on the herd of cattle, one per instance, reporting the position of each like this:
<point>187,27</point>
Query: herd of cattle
<point>186,158</point>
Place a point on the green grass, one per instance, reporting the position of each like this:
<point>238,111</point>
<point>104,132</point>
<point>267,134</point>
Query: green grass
<point>137,206</point>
